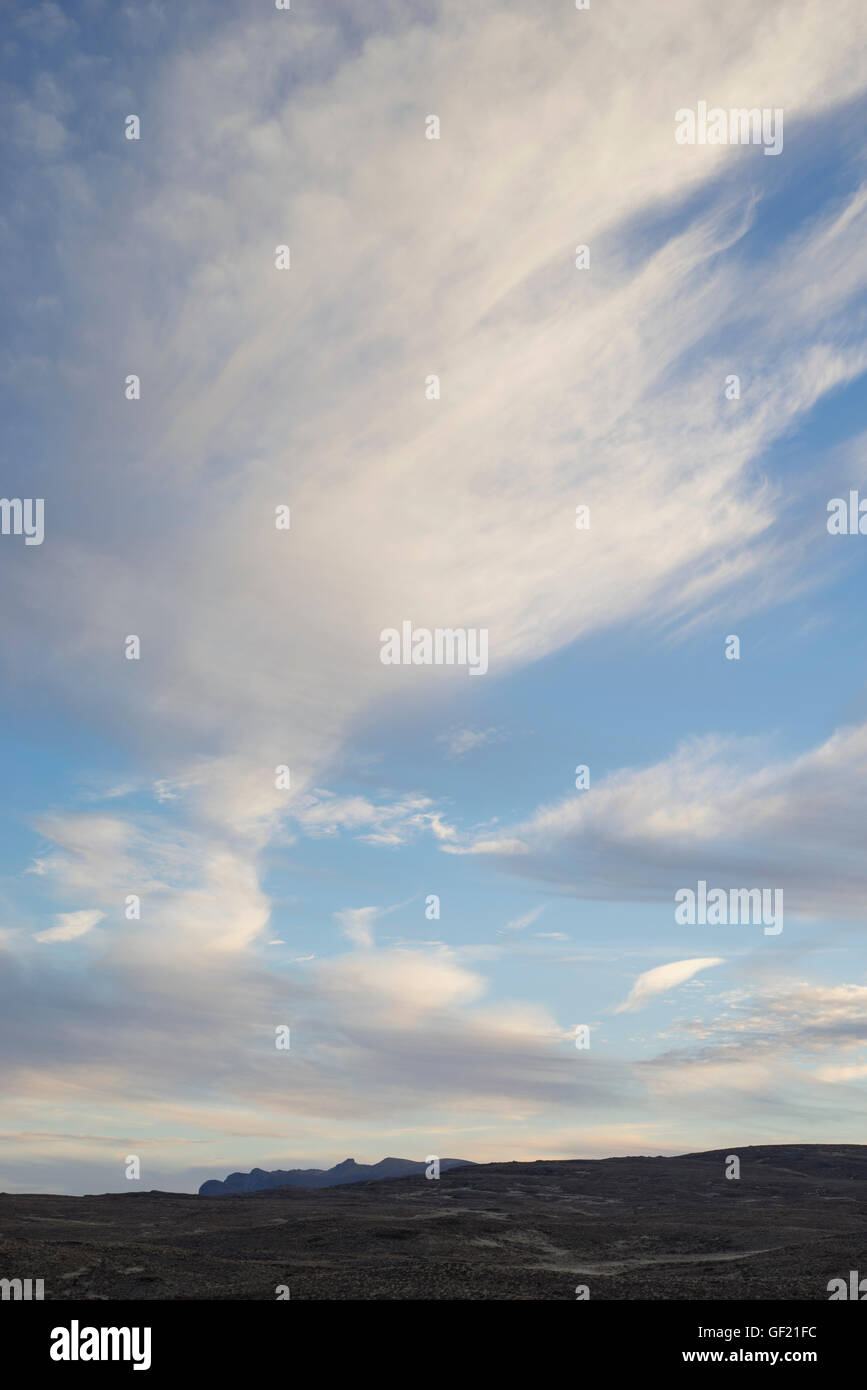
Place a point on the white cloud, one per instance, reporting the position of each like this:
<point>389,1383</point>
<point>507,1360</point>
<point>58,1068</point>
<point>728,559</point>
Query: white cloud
<point>322,813</point>
<point>71,925</point>
<point>460,741</point>
<point>357,923</point>
<point>200,892</point>
<point>834,1075</point>
<point>520,923</point>
<point>399,986</point>
<point>663,978</point>
<point>713,811</point>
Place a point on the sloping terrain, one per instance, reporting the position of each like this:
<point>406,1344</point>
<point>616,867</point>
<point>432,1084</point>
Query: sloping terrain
<point>629,1228</point>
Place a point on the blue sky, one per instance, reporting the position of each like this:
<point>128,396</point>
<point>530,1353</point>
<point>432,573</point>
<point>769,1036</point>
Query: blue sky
<point>264,906</point>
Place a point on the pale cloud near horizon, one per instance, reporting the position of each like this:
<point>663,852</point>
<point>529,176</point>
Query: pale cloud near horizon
<point>799,1034</point>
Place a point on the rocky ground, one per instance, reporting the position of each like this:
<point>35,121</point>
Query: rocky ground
<point>629,1228</point>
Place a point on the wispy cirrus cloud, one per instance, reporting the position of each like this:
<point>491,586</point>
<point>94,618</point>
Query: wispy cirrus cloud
<point>521,923</point>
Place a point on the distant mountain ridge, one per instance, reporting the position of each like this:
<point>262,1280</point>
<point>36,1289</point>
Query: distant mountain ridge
<point>258,1180</point>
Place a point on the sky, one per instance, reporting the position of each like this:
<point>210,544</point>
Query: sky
<point>427,900</point>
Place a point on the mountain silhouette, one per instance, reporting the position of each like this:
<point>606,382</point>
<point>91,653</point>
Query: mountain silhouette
<point>257,1180</point>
